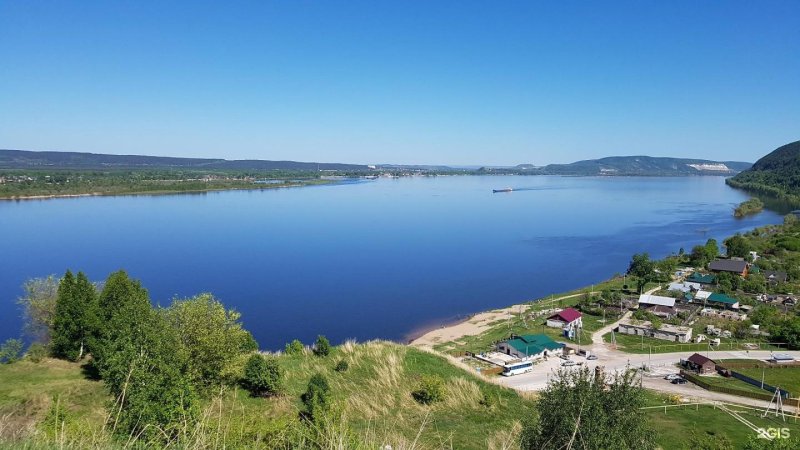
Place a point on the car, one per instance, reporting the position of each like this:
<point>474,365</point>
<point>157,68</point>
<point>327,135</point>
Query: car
<point>672,376</point>
<point>564,357</point>
<point>568,363</point>
<point>591,357</point>
<point>679,381</point>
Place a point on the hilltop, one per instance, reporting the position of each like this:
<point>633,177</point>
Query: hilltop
<point>776,174</point>
<point>647,166</point>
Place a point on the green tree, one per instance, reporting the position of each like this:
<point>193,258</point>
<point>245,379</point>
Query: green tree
<point>39,307</point>
<point>294,348</point>
<point>76,317</point>
<point>712,249</point>
<point>579,409</point>
<point>210,336</point>
<point>698,258</point>
<point>10,351</point>
<point>737,246</point>
<point>643,268</point>
<point>263,375</point>
<point>430,390</point>
<point>322,347</point>
<point>788,331</point>
<point>317,398</point>
<point>709,441</point>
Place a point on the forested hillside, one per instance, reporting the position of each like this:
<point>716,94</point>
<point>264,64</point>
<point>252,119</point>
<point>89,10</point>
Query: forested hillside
<point>777,174</point>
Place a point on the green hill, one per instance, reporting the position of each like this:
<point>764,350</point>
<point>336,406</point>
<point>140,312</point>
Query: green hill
<point>646,166</point>
<point>777,174</point>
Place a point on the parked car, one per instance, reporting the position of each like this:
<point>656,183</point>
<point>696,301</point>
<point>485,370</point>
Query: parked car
<point>679,381</point>
<point>672,376</point>
<point>568,362</point>
<point>591,357</point>
<point>563,356</point>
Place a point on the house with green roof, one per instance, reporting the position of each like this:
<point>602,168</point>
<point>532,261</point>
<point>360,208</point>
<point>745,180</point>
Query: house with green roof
<point>722,301</point>
<point>529,346</point>
<point>697,277</point>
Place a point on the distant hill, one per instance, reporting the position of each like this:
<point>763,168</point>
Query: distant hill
<point>777,174</point>
<point>23,159</point>
<point>646,166</point>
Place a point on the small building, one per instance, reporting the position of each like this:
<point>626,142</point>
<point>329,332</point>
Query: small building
<point>723,314</point>
<point>775,276</point>
<point>666,332</point>
<point>567,319</point>
<point>685,286</point>
<point>647,300</point>
<point>664,312</point>
<point>529,346</point>
<point>739,267</point>
<point>700,364</point>
<point>699,278</point>
<point>722,301</point>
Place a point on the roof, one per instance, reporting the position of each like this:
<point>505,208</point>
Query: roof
<point>775,275</point>
<point>728,265</point>
<point>702,279</point>
<point>699,359</point>
<point>661,309</point>
<point>531,344</point>
<point>702,295</point>
<point>568,315</point>
<point>647,299</point>
<point>722,298</point>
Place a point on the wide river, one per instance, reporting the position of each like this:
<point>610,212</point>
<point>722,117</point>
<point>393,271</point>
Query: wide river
<point>373,259</point>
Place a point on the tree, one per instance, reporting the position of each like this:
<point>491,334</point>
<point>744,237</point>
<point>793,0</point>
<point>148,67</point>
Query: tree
<point>698,258</point>
<point>210,336</point>
<point>579,409</point>
<point>39,307</point>
<point>263,375</point>
<point>317,398</point>
<point>10,351</point>
<point>322,347</point>
<point>430,390</point>
<point>712,249</point>
<point>787,331</point>
<point>737,246</point>
<point>294,348</point>
<point>709,441</point>
<point>75,323</point>
<point>643,268</point>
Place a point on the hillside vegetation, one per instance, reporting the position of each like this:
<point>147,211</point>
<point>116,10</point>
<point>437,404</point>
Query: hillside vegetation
<point>776,174</point>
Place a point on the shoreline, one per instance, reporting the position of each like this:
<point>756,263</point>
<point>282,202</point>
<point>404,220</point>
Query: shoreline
<point>160,193</point>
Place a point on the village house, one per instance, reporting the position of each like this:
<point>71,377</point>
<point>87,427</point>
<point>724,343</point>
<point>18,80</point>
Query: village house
<point>666,332</point>
<point>739,267</point>
<point>700,364</point>
<point>775,276</point>
<point>718,300</point>
<point>647,300</point>
<point>685,286</point>
<point>664,312</point>
<point>699,278</point>
<point>568,320</point>
<point>529,346</point>
<point>723,314</point>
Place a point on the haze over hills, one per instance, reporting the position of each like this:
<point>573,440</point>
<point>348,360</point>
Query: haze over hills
<point>615,165</point>
<point>777,173</point>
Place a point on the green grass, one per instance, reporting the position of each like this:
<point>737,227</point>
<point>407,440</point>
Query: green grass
<point>786,378</point>
<point>674,428</point>
<point>733,383</point>
<point>639,344</point>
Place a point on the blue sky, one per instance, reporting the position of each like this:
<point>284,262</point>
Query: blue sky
<point>401,82</point>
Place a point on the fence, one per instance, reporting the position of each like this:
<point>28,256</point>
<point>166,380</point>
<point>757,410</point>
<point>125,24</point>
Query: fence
<point>733,391</point>
<point>754,382</point>
<point>756,364</point>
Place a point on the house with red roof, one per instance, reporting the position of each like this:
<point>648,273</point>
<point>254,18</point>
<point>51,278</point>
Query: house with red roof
<point>567,319</point>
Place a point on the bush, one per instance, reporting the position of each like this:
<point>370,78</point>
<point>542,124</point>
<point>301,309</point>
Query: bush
<point>294,348</point>
<point>341,366</point>
<point>430,390</point>
<point>317,398</point>
<point>263,375</point>
<point>322,347</point>
<point>10,351</point>
<point>36,352</point>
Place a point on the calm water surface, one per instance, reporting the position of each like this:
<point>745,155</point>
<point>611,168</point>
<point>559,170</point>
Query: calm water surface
<point>377,259</point>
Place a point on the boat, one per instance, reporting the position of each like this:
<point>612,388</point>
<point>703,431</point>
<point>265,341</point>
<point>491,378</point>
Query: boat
<point>502,190</point>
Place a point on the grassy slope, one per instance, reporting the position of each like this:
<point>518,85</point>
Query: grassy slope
<point>785,378</point>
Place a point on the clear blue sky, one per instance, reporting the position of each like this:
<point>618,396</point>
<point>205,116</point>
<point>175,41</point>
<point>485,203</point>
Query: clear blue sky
<point>401,82</point>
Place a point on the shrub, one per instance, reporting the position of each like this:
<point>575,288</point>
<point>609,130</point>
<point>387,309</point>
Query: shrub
<point>430,390</point>
<point>10,351</point>
<point>36,352</point>
<point>317,398</point>
<point>294,348</point>
<point>263,375</point>
<point>322,347</point>
<point>341,366</point>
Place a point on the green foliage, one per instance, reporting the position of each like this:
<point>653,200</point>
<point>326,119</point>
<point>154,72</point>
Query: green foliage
<point>643,268</point>
<point>10,351</point>
<point>263,375</point>
<point>752,206</point>
<point>209,335</point>
<point>317,398</point>
<point>578,410</point>
<point>294,348</point>
<point>39,307</point>
<point>36,352</point>
<point>430,390</point>
<point>754,283</point>
<point>788,331</point>
<point>708,441</point>
<point>341,366</point>
<point>322,347</point>
<point>776,174</point>
<point>76,322</point>
<point>56,418</point>
<point>737,246</point>
<point>728,282</point>
<point>756,443</point>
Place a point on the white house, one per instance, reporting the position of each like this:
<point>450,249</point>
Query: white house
<point>566,319</point>
<point>647,300</point>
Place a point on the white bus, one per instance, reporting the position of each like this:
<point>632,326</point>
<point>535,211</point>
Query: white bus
<point>517,368</point>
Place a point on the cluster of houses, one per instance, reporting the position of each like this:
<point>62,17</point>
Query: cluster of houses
<point>535,346</point>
